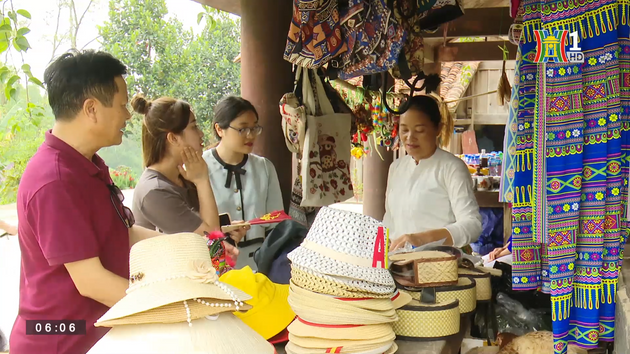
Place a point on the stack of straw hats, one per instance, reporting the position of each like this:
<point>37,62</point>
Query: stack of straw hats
<point>176,304</point>
<point>343,295</point>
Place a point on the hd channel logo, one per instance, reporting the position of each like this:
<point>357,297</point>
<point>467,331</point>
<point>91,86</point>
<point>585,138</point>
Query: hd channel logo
<point>552,47</point>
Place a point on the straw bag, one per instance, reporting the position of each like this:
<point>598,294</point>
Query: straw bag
<point>326,158</point>
<point>425,268</point>
<point>427,319</point>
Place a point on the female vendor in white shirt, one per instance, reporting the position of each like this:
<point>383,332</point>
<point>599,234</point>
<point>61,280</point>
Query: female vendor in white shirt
<point>430,193</point>
<point>245,185</point>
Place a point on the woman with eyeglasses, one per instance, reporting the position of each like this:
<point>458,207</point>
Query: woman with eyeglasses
<point>245,185</point>
<point>174,193</point>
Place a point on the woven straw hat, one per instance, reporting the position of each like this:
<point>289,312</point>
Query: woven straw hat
<point>221,334</point>
<point>310,342</point>
<point>172,270</point>
<point>386,348</point>
<point>337,286</point>
<point>345,244</point>
<point>397,300</point>
<point>303,328</point>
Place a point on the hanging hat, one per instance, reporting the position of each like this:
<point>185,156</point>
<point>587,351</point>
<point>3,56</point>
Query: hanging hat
<point>345,244</point>
<point>271,312</point>
<point>220,334</point>
<point>174,270</point>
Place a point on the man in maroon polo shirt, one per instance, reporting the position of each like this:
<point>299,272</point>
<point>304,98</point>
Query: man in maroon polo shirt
<point>73,229</point>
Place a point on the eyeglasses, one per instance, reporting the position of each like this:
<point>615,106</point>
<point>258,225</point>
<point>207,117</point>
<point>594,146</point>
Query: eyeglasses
<point>254,131</point>
<point>117,194</point>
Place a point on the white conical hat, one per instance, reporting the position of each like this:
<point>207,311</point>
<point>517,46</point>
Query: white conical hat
<point>220,334</point>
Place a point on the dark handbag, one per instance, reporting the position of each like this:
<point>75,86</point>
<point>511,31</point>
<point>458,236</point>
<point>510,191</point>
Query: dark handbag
<point>286,236</point>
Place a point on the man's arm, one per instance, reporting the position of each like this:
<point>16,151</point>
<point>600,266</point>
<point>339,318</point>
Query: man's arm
<point>94,281</point>
<point>139,233</point>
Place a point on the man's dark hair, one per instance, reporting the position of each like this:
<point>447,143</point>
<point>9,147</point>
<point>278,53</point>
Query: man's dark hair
<point>76,76</point>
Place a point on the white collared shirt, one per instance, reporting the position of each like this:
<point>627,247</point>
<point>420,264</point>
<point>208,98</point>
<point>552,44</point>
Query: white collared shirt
<point>260,191</point>
<point>437,193</point>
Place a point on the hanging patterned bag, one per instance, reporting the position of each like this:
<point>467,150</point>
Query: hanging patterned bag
<point>373,36</point>
<point>441,12</point>
<point>326,158</point>
<point>409,13</point>
<point>314,34</point>
<point>293,118</point>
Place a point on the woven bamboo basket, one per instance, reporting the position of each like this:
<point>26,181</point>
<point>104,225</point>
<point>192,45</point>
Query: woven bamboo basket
<point>423,322</point>
<point>464,291</point>
<point>430,268</point>
<point>484,289</point>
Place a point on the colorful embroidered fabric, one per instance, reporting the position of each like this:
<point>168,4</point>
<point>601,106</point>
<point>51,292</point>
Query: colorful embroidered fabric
<point>314,34</point>
<point>506,192</point>
<point>373,37</point>
<point>576,212</point>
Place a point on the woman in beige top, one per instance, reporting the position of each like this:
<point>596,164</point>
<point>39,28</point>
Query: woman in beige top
<point>174,193</point>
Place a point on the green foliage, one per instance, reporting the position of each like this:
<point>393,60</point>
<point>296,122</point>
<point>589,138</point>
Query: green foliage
<point>164,59</point>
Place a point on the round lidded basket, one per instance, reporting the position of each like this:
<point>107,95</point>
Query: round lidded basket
<point>430,268</point>
<point>484,288</point>
<point>425,322</point>
<point>464,291</point>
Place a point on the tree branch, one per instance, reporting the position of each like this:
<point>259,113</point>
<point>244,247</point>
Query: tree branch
<point>56,43</point>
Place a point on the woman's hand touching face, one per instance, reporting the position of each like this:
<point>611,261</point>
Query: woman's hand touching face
<point>196,170</point>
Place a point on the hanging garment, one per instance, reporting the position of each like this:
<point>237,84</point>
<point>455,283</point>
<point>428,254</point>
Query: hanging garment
<point>506,192</point>
<point>566,231</point>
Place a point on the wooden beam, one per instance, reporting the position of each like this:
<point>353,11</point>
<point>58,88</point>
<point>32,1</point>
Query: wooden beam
<point>477,23</point>
<point>231,6</point>
<point>474,51</point>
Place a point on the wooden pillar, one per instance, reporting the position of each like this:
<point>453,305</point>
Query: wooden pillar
<point>266,76</point>
<point>375,180</point>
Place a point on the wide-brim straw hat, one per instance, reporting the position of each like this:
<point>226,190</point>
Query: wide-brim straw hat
<point>345,244</point>
<point>302,328</point>
<point>315,343</point>
<point>396,300</point>
<point>342,282</point>
<point>225,334</point>
<point>314,282</point>
<point>304,308</point>
<point>170,269</point>
<point>386,348</point>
